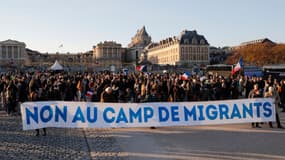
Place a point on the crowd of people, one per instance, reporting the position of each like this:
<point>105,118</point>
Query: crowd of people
<point>16,88</point>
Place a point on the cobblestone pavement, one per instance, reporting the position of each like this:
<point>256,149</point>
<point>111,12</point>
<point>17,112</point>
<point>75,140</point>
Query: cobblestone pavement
<point>58,144</point>
<point>103,145</point>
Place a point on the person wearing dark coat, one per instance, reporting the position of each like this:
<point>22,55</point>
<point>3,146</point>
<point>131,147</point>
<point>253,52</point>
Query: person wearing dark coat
<point>255,93</point>
<point>11,95</point>
<point>34,97</point>
<point>108,96</point>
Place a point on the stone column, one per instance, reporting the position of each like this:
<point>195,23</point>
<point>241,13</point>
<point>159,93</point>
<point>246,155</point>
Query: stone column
<point>19,54</point>
<point>6,52</point>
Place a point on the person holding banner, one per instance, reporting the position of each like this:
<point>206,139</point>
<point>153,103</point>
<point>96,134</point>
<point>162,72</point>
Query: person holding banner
<point>255,93</point>
<point>273,94</point>
<point>34,97</point>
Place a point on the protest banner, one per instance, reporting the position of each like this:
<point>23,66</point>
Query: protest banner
<point>114,115</point>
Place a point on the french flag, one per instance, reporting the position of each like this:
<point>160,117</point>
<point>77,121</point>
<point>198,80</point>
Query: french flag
<point>89,93</point>
<point>141,68</point>
<point>185,76</point>
<point>238,66</point>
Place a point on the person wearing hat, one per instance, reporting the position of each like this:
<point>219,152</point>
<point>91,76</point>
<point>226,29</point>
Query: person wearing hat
<point>108,96</point>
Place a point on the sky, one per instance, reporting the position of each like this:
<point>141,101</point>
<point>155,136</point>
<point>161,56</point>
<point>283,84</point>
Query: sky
<point>80,24</point>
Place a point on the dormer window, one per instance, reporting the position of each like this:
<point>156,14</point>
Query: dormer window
<point>194,41</point>
<point>202,41</point>
<point>186,41</point>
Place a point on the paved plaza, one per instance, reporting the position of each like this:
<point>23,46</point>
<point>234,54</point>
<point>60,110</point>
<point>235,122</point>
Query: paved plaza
<point>201,142</point>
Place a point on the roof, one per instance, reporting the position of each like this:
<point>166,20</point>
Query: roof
<point>141,38</point>
<point>141,32</point>
<point>9,41</point>
<point>263,40</point>
<point>279,66</point>
<point>189,37</point>
<point>56,66</point>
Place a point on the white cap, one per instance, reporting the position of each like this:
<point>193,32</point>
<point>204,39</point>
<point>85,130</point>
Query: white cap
<point>108,89</point>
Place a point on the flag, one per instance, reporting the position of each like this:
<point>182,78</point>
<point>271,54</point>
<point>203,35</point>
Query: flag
<point>185,76</point>
<point>141,68</point>
<point>238,66</point>
<point>89,93</point>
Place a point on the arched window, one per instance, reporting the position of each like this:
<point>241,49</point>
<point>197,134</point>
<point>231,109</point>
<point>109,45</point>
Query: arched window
<point>202,41</point>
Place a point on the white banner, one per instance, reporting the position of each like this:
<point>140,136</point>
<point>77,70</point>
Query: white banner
<point>106,115</point>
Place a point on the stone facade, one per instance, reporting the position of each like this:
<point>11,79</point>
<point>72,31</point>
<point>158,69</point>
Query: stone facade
<point>109,55</point>
<point>188,49</point>
<point>12,53</point>
<point>137,45</point>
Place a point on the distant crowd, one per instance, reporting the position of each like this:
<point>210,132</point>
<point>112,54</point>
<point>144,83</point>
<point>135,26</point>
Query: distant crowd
<point>16,88</point>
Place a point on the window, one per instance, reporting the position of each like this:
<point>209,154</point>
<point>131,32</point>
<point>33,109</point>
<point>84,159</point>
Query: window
<point>202,41</point>
<point>206,50</point>
<point>194,41</point>
<point>182,56</point>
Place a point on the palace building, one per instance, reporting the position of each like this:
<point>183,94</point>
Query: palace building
<point>12,53</point>
<point>188,49</point>
<point>109,55</point>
